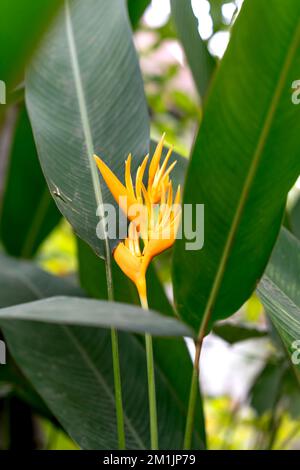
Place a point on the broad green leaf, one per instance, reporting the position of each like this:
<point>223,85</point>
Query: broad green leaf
<point>23,281</point>
<point>70,367</point>
<point>28,212</point>
<point>97,313</point>
<point>17,39</point>
<point>245,159</point>
<point>136,9</point>
<point>84,103</point>
<point>201,62</point>
<point>266,390</point>
<point>171,355</point>
<point>279,291</point>
<point>236,332</point>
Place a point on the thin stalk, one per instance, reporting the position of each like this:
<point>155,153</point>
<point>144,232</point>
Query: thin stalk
<point>192,401</point>
<point>118,389</point>
<point>116,370</point>
<point>151,384</point>
<point>194,386</point>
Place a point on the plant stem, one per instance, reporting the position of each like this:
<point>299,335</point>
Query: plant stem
<point>151,384</point>
<point>116,368</point>
<point>192,400</point>
<point>118,389</point>
<point>195,384</point>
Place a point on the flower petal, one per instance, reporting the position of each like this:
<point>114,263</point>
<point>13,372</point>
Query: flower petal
<point>120,193</point>
<point>155,161</point>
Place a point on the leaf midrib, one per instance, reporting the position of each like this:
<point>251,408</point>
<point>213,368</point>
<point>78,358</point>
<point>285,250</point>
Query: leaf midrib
<point>85,124</point>
<point>248,181</point>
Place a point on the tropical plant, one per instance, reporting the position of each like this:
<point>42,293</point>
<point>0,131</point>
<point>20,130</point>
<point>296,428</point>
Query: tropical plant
<point>82,353</point>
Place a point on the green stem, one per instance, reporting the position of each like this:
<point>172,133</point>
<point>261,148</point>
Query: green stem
<point>151,385</point>
<point>116,368</point>
<point>195,383</point>
<point>118,389</point>
<point>192,400</point>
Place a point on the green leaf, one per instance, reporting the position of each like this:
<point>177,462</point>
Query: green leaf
<point>23,281</point>
<point>201,62</point>
<point>280,293</point>
<point>89,312</point>
<point>266,390</point>
<point>171,355</point>
<point>234,333</point>
<point>71,368</point>
<point>136,10</point>
<point>28,211</point>
<point>17,40</point>
<point>83,103</point>
<point>245,159</point>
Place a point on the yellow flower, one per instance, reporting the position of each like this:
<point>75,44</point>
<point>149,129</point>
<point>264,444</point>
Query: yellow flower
<point>128,195</point>
<point>162,223</point>
<point>132,262</point>
<point>156,225</point>
<point>161,234</point>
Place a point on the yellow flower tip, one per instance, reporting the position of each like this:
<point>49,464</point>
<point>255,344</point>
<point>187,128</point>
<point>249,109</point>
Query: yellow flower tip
<point>123,196</point>
<point>159,176</point>
<point>144,163</point>
<point>128,164</point>
<point>98,160</point>
<point>155,160</point>
<point>178,195</point>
